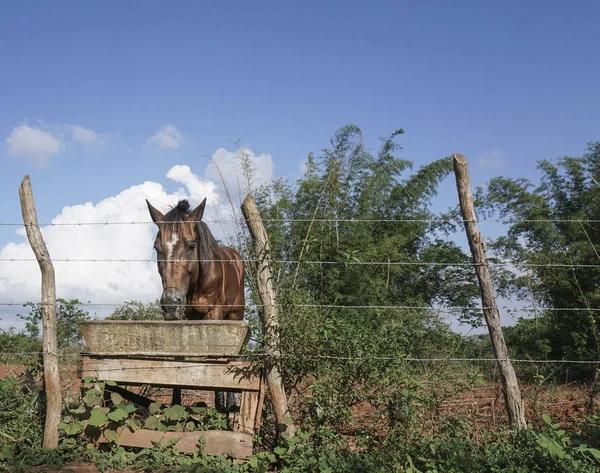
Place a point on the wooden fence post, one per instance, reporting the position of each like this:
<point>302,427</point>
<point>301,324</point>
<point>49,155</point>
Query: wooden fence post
<point>268,298</point>
<point>50,344</point>
<point>510,385</point>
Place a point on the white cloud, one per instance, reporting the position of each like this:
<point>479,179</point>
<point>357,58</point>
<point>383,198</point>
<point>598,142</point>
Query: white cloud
<point>167,137</point>
<point>33,142</point>
<point>227,166</point>
<point>95,281</point>
<point>494,159</point>
<point>87,137</point>
<point>115,282</point>
<point>42,142</point>
<point>198,189</point>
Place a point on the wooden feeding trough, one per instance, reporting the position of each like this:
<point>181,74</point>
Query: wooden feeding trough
<point>187,354</point>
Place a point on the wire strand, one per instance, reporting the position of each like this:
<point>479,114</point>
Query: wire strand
<point>307,220</point>
<point>450,310</point>
<point>346,263</point>
<point>313,356</point>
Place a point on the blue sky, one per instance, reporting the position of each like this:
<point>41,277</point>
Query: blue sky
<point>504,83</point>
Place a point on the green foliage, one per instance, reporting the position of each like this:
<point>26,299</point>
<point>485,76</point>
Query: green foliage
<point>349,183</point>
<point>18,347</point>
<point>341,354</point>
<point>20,417</point>
<point>569,451</point>
<point>567,197</point>
<point>105,412</point>
<point>135,310</point>
<point>68,314</point>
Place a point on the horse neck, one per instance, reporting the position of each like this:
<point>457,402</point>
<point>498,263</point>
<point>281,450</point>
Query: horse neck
<point>204,280</point>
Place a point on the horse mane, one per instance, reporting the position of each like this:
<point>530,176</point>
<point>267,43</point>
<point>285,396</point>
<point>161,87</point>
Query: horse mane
<point>205,240</point>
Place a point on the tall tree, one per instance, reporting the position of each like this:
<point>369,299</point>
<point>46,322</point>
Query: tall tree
<point>354,218</point>
<point>552,241</point>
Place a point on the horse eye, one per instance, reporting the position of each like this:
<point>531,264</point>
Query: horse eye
<point>191,246</point>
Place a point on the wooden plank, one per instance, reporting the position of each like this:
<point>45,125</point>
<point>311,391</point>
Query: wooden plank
<point>512,393</point>
<point>49,339</point>
<point>259,408</point>
<point>216,442</point>
<point>268,297</point>
<point>160,337</point>
<point>244,420</point>
<point>236,375</point>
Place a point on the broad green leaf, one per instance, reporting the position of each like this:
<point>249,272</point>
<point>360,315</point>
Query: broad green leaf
<point>134,424</point>
<point>97,417</point>
<point>190,426</point>
<point>550,445</point>
<point>78,410</point>
<point>151,423</point>
<point>280,450</point>
<point>154,407</point>
<point>92,397</point>
<point>117,415</point>
<point>595,452</point>
<point>129,408</point>
<point>116,398</point>
<point>111,383</point>
<point>175,412</point>
<point>73,428</point>
<point>547,419</point>
<point>111,436</point>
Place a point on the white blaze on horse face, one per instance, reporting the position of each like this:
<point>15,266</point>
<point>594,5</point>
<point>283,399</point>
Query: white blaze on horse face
<point>171,245</point>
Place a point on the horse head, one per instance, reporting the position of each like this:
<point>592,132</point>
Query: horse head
<point>180,253</point>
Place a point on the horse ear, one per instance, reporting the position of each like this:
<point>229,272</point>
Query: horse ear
<point>156,215</point>
<point>198,212</point>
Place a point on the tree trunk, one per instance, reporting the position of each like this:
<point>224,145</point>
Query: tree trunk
<point>50,344</point>
<point>510,385</point>
<point>268,298</point>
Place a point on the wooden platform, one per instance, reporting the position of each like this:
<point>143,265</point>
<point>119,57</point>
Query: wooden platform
<point>187,355</point>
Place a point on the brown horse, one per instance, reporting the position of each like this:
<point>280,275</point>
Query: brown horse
<point>201,280</point>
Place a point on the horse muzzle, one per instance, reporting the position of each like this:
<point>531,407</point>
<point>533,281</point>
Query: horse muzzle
<point>173,304</point>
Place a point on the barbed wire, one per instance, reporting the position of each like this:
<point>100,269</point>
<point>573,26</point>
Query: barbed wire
<point>288,355</point>
<point>345,263</point>
<point>449,310</point>
<point>308,220</point>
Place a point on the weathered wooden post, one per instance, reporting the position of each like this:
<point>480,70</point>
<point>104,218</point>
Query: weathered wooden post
<point>510,385</point>
<point>49,339</point>
<point>268,298</point>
